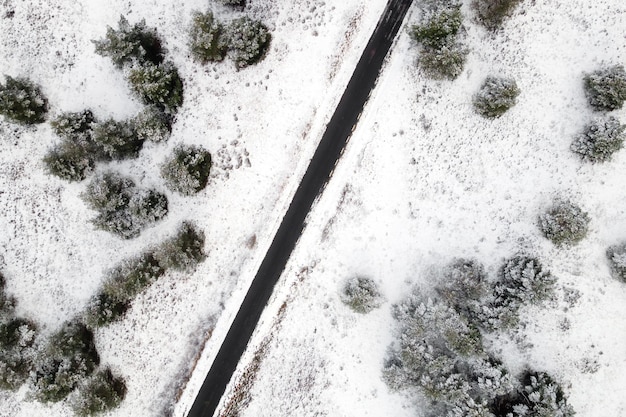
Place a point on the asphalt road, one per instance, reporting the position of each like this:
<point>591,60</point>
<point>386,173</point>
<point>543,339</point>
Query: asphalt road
<point>320,169</point>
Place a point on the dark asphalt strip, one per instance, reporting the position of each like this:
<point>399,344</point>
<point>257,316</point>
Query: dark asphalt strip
<point>317,175</point>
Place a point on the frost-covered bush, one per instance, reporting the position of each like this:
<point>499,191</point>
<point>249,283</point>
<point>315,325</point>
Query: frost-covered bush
<point>538,396</point>
<point>187,170</point>
<point>22,101</point>
<point>76,127</point>
<point>135,44</point>
<point>443,64</point>
<point>600,140</point>
<point>617,260</point>
<point>248,41</point>
<point>233,3</point>
<point>99,393</point>
<point>522,280</point>
<point>17,336</point>
<point>361,294</point>
<point>207,40</point>
<point>182,251</point>
<point>132,276</point>
<point>7,302</point>
<point>69,356</point>
<point>104,309</point>
<point>463,285</point>
<point>158,85</point>
<point>123,209</point>
<point>565,223</point>
<point>495,97</point>
<point>606,88</point>
<point>153,124</point>
<point>437,31</point>
<point>492,13</point>
<point>116,140</point>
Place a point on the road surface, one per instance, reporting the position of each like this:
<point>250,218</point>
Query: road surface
<point>317,175</point>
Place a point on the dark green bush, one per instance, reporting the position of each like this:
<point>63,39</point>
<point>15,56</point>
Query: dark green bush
<point>17,336</point>
<point>103,309</point>
<point>496,96</point>
<point>446,63</point>
<point>69,357</point>
<point>132,276</point>
<point>158,85</point>
<point>492,13</point>
<point>69,161</point>
<point>207,40</point>
<point>437,31</point>
<point>248,41</point>
<point>600,140</point>
<point>122,208</point>
<point>100,393</point>
<point>76,127</point>
<point>565,223</point>
<point>183,251</point>
<point>153,125</point>
<point>135,44</point>
<point>617,260</point>
<point>22,101</point>
<point>116,140</point>
<point>187,170</point>
<point>361,294</point>
<point>233,3</point>
<point>606,88</point>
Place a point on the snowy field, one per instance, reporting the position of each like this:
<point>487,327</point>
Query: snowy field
<point>261,125</point>
<point>424,180</point>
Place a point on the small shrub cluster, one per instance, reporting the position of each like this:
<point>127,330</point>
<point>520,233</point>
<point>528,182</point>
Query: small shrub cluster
<point>233,3</point>
<point>442,56</point>
<point>492,13</point>
<point>99,393</point>
<point>440,346</point>
<point>85,141</point>
<point>17,337</point>
<point>22,101</point>
<point>361,294</point>
<point>132,276</point>
<point>139,50</point>
<point>68,357</point>
<point>187,170</point>
<point>565,223</point>
<point>123,209</point>
<point>495,97</point>
<point>617,261</point>
<point>606,88</point>
<point>245,40</point>
<point>600,140</point>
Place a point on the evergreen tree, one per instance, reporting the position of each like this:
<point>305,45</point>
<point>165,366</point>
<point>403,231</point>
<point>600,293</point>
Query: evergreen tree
<point>361,294</point>
<point>600,140</point>
<point>135,44</point>
<point>463,286</point>
<point>116,140</point>
<point>606,88</point>
<point>153,124</point>
<point>617,260</point>
<point>248,41</point>
<point>187,170</point>
<point>182,251</point>
<point>206,38</point>
<point>492,13</point>
<point>495,97</point>
<point>158,85</point>
<point>437,30</point>
<point>99,393</point>
<point>22,101</point>
<point>565,223</point>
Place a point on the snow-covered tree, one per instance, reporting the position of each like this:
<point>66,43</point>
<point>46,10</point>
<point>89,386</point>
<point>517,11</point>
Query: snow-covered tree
<point>495,97</point>
<point>132,276</point>
<point>116,140</point>
<point>22,101</point>
<point>445,63</point>
<point>17,336</point>
<point>153,124</point>
<point>69,356</point>
<point>463,286</point>
<point>187,170</point>
<point>136,44</point>
<point>361,294</point>
<point>69,161</point>
<point>76,127</point>
<point>492,13</point>
<point>7,302</point>
<point>564,223</point>
<point>182,251</point>
<point>606,88</point>
<point>600,140</point>
<point>233,3</point>
<point>123,209</point>
<point>248,41</point>
<point>103,309</point>
<point>158,85</point>
<point>617,260</point>
<point>101,392</point>
<point>438,29</point>
<point>206,38</point>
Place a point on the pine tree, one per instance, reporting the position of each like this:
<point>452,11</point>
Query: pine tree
<point>182,251</point>
<point>495,97</point>
<point>361,294</point>
<point>99,393</point>
<point>248,41</point>
<point>158,85</point>
<point>606,88</point>
<point>187,170</point>
<point>600,140</point>
<point>153,124</point>
<point>206,38</point>
<point>492,13</point>
<point>617,260</point>
<point>22,101</point>
<point>564,223</point>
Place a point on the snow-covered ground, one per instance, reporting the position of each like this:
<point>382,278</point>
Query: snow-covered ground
<point>423,180</point>
<point>261,124</point>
